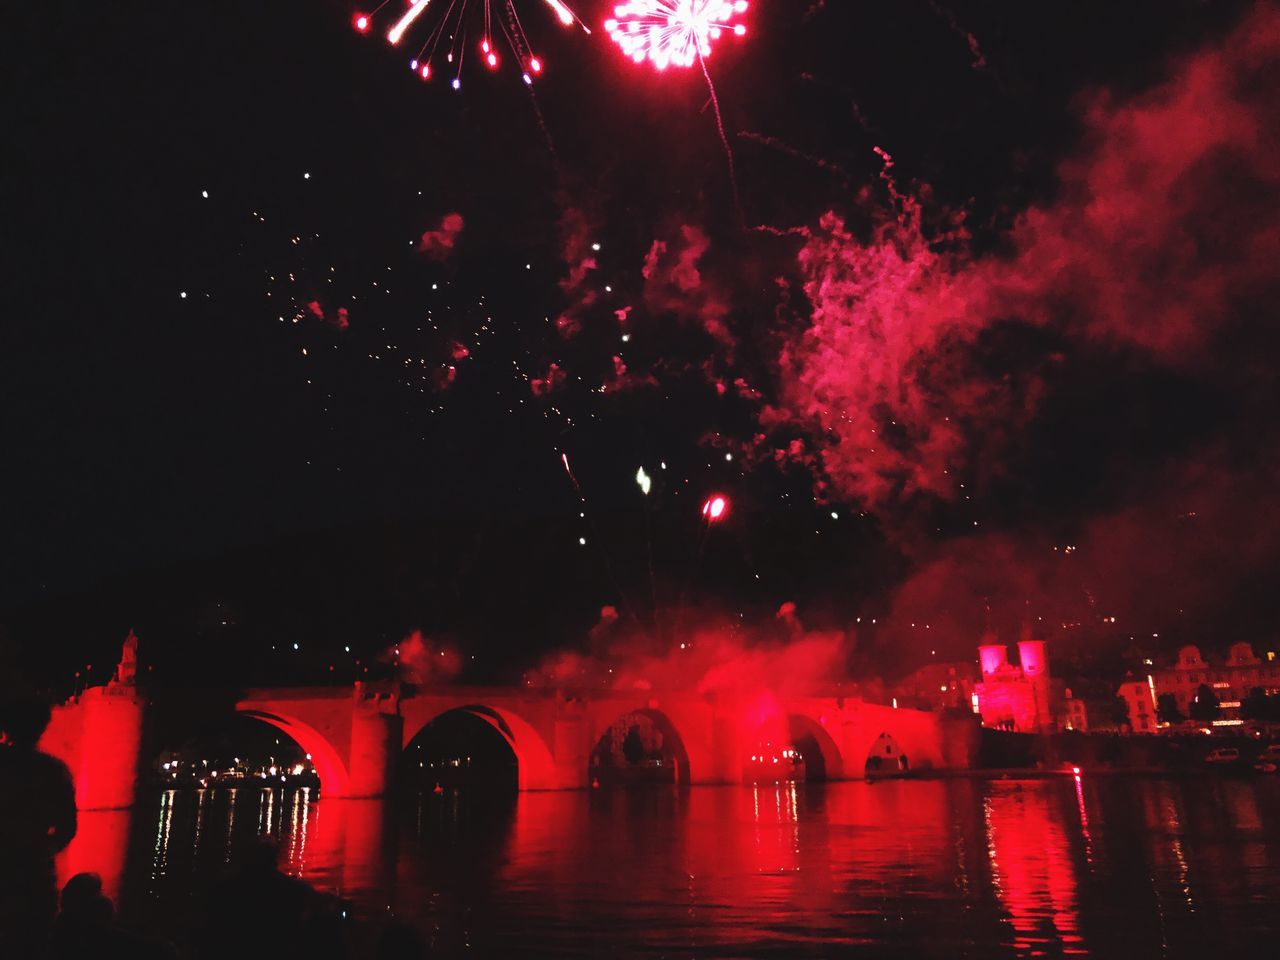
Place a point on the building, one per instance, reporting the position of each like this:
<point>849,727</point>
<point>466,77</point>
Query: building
<point>1140,699</point>
<point>1023,697</point>
<point>1230,681</point>
<point>937,686</point>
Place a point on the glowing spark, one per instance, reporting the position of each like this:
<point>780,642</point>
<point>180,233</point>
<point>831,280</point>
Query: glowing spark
<point>715,508</point>
<point>362,22</point>
<point>563,12</point>
<point>673,32</point>
<point>643,480</point>
<point>404,23</point>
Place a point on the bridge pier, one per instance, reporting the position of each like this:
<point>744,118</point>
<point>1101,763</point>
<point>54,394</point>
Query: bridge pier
<point>375,750</point>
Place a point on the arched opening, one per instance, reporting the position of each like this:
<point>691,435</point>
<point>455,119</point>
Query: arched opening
<point>886,757</point>
<point>642,746</point>
<point>822,759</point>
<point>244,748</point>
<point>468,750</point>
<point>316,749</point>
<point>796,747</point>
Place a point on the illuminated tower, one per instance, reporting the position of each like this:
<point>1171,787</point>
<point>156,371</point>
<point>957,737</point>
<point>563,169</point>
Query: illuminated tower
<point>991,655</point>
<point>1035,672</point>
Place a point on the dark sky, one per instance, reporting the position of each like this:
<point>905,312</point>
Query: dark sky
<point>181,466</point>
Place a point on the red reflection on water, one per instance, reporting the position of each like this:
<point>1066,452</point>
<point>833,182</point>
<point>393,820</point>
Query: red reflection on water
<point>1031,867</point>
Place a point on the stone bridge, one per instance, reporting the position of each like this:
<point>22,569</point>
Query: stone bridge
<point>355,735</point>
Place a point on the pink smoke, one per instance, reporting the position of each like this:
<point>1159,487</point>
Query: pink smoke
<point>674,283</point>
<point>1156,232</point>
<point>418,660</point>
<point>709,655</point>
<point>438,244</point>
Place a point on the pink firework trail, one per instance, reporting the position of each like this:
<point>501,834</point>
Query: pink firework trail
<point>451,28</point>
<point>675,33</point>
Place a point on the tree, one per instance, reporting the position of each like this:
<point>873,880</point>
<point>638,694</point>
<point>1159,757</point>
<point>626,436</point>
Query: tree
<point>1258,706</point>
<point>1120,712</point>
<point>633,746</point>
<point>1167,709</point>
<point>1204,706</point>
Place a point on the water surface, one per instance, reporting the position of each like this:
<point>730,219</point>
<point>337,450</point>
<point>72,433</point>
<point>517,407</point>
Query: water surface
<point>1106,866</point>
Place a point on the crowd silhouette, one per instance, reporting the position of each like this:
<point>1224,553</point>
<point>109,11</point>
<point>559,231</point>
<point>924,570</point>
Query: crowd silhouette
<point>268,913</point>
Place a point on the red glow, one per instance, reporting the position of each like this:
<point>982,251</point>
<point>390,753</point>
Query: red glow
<point>535,65</point>
<point>426,71</point>
<point>362,22</point>
<point>492,60</point>
<point>716,508</point>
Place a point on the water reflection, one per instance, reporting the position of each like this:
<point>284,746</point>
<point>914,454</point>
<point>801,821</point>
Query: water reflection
<point>1032,869</point>
<point>943,868</point>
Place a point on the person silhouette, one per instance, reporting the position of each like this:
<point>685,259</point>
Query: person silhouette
<point>37,819</point>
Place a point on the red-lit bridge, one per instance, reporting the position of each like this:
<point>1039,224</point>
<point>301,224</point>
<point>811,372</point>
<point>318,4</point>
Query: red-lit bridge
<point>355,735</point>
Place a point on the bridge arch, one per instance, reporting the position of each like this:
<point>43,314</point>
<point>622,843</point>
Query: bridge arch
<point>535,765</point>
<point>335,781</point>
<point>610,737</point>
<point>822,755</point>
<point>886,755</point>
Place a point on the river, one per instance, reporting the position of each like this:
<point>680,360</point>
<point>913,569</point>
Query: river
<point>1103,866</point>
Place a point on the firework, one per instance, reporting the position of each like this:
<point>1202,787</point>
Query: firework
<point>673,32</point>
<point>447,35</point>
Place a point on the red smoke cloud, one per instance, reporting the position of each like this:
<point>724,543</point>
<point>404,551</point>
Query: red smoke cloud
<point>709,655</point>
<point>580,259</point>
<point>674,283</point>
<point>1158,567</point>
<point>1156,232</point>
<point>439,243</point>
<point>417,659</point>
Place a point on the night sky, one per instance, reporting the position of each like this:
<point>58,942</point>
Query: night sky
<point>991,322</point>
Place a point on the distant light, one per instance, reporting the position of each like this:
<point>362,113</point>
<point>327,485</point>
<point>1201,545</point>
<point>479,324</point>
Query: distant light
<point>582,541</point>
<point>362,22</point>
<point>715,508</point>
<point>346,649</point>
<point>183,294</point>
<point>295,646</point>
<point>645,483</point>
<point>457,84</point>
<point>834,515</point>
<point>535,65</point>
<point>205,194</point>
<point>306,176</point>
<point>595,247</point>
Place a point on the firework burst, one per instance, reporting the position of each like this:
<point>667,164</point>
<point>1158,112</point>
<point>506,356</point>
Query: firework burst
<point>446,39</point>
<point>677,33</point>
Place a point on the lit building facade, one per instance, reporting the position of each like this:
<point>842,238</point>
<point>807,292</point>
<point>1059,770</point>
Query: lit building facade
<point>1230,681</point>
<point>1139,697</point>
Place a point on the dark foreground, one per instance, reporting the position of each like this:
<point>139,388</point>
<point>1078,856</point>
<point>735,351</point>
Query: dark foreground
<point>1105,866</point>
